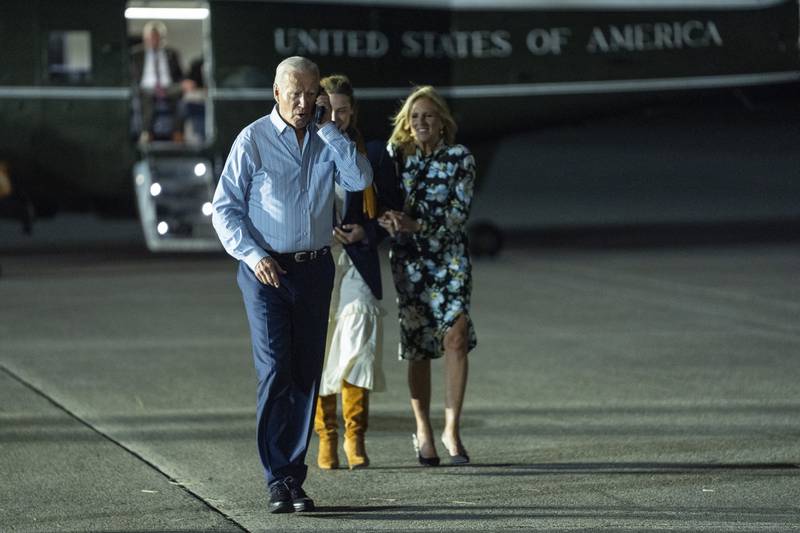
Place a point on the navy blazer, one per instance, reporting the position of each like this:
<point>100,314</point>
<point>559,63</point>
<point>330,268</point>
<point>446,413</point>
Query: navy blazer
<point>385,178</point>
<point>364,253</point>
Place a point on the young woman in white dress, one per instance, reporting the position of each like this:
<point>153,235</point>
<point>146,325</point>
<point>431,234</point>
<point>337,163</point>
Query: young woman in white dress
<point>353,352</point>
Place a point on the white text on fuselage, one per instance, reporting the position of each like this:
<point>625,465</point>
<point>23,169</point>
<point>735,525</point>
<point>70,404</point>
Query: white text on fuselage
<point>373,44</point>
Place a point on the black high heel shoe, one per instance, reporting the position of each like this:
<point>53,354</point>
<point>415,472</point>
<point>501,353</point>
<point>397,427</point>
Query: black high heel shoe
<point>460,458</point>
<point>424,461</point>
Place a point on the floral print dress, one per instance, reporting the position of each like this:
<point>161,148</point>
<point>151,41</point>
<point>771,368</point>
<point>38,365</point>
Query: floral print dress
<point>431,268</point>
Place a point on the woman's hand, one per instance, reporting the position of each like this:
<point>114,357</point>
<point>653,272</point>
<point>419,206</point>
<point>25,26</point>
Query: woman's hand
<point>349,233</point>
<point>386,223</point>
<point>398,222</point>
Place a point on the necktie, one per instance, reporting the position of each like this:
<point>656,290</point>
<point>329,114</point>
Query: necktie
<point>157,64</point>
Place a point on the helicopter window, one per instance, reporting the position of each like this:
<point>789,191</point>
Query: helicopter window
<point>69,56</point>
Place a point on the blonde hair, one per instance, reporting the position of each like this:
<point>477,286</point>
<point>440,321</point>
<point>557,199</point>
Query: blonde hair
<point>401,134</point>
<point>340,84</point>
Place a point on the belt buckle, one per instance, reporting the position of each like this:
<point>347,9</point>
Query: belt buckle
<point>300,257</point>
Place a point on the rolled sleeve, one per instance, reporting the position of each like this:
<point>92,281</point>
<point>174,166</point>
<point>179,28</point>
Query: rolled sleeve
<point>353,170</point>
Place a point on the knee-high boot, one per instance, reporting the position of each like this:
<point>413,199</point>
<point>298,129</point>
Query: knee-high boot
<point>325,424</point>
<point>355,409</point>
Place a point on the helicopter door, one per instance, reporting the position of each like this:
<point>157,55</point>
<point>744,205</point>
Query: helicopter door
<point>171,124</point>
<point>169,48</point>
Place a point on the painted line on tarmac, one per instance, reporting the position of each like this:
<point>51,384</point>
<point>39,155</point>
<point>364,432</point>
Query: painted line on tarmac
<point>111,439</point>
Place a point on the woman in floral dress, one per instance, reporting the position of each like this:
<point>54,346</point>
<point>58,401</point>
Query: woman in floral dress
<point>430,261</point>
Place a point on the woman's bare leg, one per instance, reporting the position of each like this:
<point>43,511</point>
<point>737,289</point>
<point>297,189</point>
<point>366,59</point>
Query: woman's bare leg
<point>419,385</point>
<point>455,374</point>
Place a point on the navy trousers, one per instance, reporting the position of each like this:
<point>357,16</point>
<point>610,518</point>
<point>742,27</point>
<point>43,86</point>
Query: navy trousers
<point>288,325</point>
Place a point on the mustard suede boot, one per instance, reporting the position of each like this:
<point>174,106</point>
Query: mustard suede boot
<point>325,424</point>
<point>355,409</point>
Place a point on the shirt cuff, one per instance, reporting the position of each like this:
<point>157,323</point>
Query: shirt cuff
<point>327,130</point>
<point>253,258</point>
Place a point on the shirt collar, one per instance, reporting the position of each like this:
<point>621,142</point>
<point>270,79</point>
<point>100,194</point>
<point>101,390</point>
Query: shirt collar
<point>277,121</point>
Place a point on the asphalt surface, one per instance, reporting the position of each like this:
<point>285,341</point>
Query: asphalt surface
<point>621,388</point>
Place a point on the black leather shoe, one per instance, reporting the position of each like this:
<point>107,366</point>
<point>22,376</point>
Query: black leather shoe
<point>300,500</point>
<point>280,499</point>
<point>424,461</point>
<point>461,458</point>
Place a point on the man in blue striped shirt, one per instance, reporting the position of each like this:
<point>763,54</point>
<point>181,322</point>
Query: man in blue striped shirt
<point>273,211</point>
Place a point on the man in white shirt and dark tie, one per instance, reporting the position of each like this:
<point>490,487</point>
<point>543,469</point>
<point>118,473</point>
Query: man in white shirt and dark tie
<point>156,76</point>
<point>273,211</point>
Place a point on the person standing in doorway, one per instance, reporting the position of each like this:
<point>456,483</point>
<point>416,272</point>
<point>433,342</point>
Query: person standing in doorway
<point>156,75</point>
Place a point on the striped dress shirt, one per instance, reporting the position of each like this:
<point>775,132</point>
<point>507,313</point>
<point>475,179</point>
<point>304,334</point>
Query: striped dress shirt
<point>274,196</point>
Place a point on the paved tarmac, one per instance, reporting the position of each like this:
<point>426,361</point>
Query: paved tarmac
<point>637,389</point>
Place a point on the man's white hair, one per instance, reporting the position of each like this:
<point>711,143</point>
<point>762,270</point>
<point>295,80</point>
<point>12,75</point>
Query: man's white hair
<point>294,64</point>
<point>155,25</point>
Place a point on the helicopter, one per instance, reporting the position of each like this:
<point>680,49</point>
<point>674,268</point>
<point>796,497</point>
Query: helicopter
<point>70,140</point>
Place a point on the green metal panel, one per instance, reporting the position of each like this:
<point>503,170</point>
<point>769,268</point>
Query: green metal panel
<point>19,67</point>
<point>84,148</point>
<point>67,141</point>
<point>19,60</point>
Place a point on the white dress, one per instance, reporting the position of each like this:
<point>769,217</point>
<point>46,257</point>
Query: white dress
<point>353,350</point>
